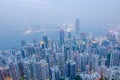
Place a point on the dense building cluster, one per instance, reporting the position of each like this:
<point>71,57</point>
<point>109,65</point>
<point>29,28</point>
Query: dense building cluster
<point>72,57</point>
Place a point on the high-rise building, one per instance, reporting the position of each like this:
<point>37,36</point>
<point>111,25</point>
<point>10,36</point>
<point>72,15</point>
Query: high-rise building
<point>67,52</point>
<point>5,73</point>
<point>45,39</point>
<point>29,70</point>
<point>71,69</point>
<point>29,50</point>
<point>23,53</point>
<point>62,35</point>
<point>69,35</point>
<point>1,76</point>
<point>14,71</point>
<point>42,70</point>
<point>77,26</point>
<point>42,44</point>
<point>37,70</point>
<point>55,73</point>
<point>20,67</point>
<point>79,62</point>
<point>87,69</point>
<point>115,57</point>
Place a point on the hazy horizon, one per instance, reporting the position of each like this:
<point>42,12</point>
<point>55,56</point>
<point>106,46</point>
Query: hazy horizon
<point>17,16</point>
<point>21,13</point>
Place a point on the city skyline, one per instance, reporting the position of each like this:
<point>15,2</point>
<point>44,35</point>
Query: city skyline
<point>59,40</point>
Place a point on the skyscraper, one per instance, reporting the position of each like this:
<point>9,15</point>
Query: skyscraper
<point>5,73</point>
<point>20,67</point>
<point>71,69</point>
<point>61,37</point>
<point>115,57</point>
<point>42,70</point>
<point>29,70</point>
<point>14,71</point>
<point>45,39</point>
<point>77,26</point>
<point>55,73</point>
<point>69,35</point>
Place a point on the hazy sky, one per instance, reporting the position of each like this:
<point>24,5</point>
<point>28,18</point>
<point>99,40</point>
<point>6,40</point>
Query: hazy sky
<point>20,13</point>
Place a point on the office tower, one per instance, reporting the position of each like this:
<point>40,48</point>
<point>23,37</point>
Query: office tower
<point>71,69</point>
<point>93,63</point>
<point>87,69</point>
<point>111,36</point>
<point>86,60</point>
<point>18,56</point>
<point>48,58</point>
<point>50,44</point>
<point>37,71</point>
<point>54,46</point>
<point>1,77</point>
<point>102,72</point>
<point>29,50</point>
<point>79,62</point>
<point>29,70</point>
<point>62,35</point>
<point>96,62</point>
<point>115,58</point>
<point>69,35</point>
<point>12,51</point>
<point>35,42</point>
<point>45,39</point>
<point>55,73</point>
<point>60,60</point>
<point>26,71</point>
<point>14,71</point>
<point>42,44</point>
<point>21,70</point>
<point>77,26</point>
<point>23,53</point>
<point>108,59</point>
<point>103,61</point>
<point>42,70</point>
<point>94,44</point>
<point>5,73</point>
<point>37,53</point>
<point>67,53</point>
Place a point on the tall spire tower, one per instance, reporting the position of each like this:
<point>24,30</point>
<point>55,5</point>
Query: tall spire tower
<point>61,36</point>
<point>77,26</point>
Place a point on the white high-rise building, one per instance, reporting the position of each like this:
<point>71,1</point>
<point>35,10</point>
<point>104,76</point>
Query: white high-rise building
<point>115,58</point>
<point>42,70</point>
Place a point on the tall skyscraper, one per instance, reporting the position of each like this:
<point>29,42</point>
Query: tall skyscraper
<point>5,73</point>
<point>45,39</point>
<point>79,62</point>
<point>71,69</point>
<point>77,26</point>
<point>115,57</point>
<point>20,67</point>
<point>1,76</point>
<point>55,73</point>
<point>29,70</point>
<point>14,71</point>
<point>61,37</point>
<point>42,70</point>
